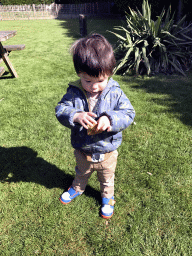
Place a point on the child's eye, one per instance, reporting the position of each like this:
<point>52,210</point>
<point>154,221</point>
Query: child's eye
<point>88,81</point>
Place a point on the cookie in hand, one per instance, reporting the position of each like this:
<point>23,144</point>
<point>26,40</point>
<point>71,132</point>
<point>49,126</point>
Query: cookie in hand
<point>92,130</point>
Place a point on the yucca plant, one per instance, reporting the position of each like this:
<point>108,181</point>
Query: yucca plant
<point>147,46</point>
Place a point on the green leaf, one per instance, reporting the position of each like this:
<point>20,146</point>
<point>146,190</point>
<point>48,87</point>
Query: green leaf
<point>124,59</point>
<point>119,36</point>
<point>186,37</point>
<point>177,68</point>
<point>157,26</point>
<point>146,61</point>
<point>181,21</point>
<point>137,59</point>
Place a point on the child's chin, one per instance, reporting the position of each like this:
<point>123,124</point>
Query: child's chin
<point>94,93</point>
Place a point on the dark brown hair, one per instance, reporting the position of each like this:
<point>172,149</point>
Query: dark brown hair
<point>93,55</point>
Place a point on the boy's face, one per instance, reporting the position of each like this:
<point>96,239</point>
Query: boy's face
<point>93,84</point>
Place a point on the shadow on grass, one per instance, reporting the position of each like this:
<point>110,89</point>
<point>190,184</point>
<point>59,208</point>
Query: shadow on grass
<point>22,164</point>
<point>101,25</point>
<point>71,27</point>
<point>179,91</point>
<point>6,75</point>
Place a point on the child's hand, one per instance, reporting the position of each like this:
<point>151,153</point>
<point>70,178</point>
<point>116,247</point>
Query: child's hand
<point>85,119</point>
<point>103,124</point>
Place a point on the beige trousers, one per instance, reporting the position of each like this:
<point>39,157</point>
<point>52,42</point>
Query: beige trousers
<point>105,173</point>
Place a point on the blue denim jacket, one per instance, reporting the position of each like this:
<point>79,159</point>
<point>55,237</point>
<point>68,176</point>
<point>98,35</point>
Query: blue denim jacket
<point>112,102</point>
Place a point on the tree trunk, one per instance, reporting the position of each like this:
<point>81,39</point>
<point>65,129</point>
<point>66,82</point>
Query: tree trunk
<point>180,9</point>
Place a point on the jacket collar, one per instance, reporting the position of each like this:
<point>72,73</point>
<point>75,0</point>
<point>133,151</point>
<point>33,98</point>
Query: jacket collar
<point>78,84</point>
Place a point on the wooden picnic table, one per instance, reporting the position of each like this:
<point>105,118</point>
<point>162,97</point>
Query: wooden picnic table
<point>5,50</point>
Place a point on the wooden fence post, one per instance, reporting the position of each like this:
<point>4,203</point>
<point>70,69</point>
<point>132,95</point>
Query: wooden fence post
<point>83,24</point>
<point>34,9</point>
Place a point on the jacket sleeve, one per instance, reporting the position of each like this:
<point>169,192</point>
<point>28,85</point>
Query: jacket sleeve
<point>65,109</point>
<point>123,113</point>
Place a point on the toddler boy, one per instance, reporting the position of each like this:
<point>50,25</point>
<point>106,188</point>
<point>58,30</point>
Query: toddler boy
<point>96,110</point>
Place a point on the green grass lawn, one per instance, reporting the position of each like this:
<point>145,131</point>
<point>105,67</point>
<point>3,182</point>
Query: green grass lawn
<point>153,177</point>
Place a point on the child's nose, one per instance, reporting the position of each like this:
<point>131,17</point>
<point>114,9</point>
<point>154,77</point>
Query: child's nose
<point>94,84</point>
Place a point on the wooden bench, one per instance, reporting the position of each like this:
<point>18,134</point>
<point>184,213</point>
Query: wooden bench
<point>2,70</point>
<point>5,50</point>
<point>10,48</point>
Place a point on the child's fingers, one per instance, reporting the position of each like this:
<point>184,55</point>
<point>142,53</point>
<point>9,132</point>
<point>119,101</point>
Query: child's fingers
<point>101,127</point>
<point>109,129</point>
<point>84,125</point>
<point>85,119</point>
<point>103,124</point>
<point>88,121</point>
<point>93,115</point>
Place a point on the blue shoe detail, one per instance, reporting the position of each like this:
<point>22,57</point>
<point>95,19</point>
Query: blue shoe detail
<point>69,195</point>
<point>107,207</point>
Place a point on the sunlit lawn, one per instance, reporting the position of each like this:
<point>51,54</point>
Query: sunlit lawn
<point>153,176</point>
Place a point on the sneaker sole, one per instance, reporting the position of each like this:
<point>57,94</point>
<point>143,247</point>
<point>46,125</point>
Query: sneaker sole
<point>106,217</point>
<point>64,202</point>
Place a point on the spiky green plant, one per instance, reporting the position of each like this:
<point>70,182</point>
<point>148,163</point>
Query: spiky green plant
<point>147,46</point>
